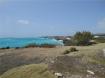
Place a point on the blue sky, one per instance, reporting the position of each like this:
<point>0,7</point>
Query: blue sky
<point>31,18</point>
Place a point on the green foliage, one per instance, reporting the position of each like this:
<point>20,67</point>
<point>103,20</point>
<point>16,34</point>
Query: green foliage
<point>8,47</point>
<point>5,47</point>
<point>66,52</point>
<point>47,45</point>
<point>17,47</point>
<point>72,49</point>
<point>67,42</point>
<point>31,45</point>
<point>42,45</point>
<point>82,38</point>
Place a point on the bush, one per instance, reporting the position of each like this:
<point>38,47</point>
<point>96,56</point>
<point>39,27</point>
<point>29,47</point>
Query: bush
<point>31,45</point>
<point>42,45</point>
<point>47,45</point>
<point>72,49</point>
<point>66,52</point>
<point>17,47</point>
<point>82,38</point>
<point>5,48</point>
<point>67,42</point>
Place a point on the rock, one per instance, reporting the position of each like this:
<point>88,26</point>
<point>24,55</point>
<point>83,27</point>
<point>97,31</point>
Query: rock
<point>59,75</point>
<point>90,72</point>
<point>104,52</point>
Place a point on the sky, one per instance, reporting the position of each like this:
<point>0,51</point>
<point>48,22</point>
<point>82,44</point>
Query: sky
<point>32,18</point>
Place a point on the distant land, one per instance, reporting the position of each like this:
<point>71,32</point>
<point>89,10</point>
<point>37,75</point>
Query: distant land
<point>65,37</point>
<point>99,34</point>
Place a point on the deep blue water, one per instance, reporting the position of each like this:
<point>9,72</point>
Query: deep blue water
<point>21,42</point>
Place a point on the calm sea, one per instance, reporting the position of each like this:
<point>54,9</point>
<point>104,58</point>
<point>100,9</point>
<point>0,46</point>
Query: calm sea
<point>21,42</point>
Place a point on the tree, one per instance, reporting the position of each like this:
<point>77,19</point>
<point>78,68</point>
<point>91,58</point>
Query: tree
<point>82,38</point>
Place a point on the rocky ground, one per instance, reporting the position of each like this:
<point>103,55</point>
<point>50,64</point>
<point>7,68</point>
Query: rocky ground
<point>87,62</point>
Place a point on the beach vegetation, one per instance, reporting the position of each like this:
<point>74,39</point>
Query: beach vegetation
<point>31,45</point>
<point>47,45</point>
<point>5,48</point>
<point>68,42</point>
<point>41,45</point>
<point>82,38</point>
<point>72,49</point>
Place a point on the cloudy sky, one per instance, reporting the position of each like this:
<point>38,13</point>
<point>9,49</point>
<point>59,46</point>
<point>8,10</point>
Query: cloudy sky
<point>31,18</point>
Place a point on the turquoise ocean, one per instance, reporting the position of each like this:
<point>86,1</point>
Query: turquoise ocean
<point>21,42</point>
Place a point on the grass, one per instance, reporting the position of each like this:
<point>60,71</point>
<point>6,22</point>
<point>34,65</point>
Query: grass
<point>12,60</point>
<point>87,58</point>
<point>72,49</point>
<point>92,53</point>
<point>78,65</point>
<point>29,71</point>
<point>41,46</point>
<point>75,62</point>
<point>90,50</point>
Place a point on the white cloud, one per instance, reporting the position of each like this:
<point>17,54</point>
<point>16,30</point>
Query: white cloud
<point>102,23</point>
<point>23,22</point>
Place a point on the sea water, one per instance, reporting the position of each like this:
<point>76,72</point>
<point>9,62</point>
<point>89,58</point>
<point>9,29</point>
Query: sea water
<point>21,42</point>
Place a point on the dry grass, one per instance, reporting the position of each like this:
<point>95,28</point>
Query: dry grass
<point>10,58</point>
<point>53,51</point>
<point>29,71</point>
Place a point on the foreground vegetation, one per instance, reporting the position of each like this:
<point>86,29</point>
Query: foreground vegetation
<point>80,38</point>
<point>29,71</point>
<point>72,64</point>
<point>42,45</point>
<point>72,49</point>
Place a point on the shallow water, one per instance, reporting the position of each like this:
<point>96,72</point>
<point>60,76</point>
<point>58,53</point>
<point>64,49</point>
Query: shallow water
<point>21,42</point>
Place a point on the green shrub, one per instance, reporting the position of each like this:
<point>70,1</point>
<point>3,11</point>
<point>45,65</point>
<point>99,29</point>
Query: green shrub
<point>31,45</point>
<point>82,38</point>
<point>67,42</point>
<point>42,45</point>
<point>5,48</point>
<point>47,45</point>
<point>2,48</point>
<point>66,52</point>
<point>72,49</point>
<point>17,47</point>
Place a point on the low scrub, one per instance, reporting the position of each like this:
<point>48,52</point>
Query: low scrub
<point>68,42</point>
<point>42,45</point>
<point>31,45</point>
<point>72,49</point>
<point>5,47</point>
<point>82,38</point>
<point>17,47</point>
<point>47,45</point>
